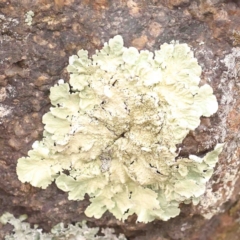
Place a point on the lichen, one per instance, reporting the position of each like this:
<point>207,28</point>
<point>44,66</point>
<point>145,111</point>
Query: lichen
<point>80,231</point>
<point>29,17</point>
<point>115,128</point>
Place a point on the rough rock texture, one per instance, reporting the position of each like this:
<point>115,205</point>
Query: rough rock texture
<point>33,57</point>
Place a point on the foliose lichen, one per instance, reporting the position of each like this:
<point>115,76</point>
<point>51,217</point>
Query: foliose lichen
<point>115,128</point>
<point>79,231</point>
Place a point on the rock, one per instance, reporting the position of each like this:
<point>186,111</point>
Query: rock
<point>34,58</point>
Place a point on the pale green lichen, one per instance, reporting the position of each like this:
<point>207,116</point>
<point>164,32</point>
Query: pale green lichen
<point>115,128</point>
<point>28,17</point>
<point>79,231</point>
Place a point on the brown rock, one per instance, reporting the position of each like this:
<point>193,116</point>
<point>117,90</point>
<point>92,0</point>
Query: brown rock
<point>175,3</point>
<point>155,29</point>
<point>140,42</point>
<point>3,80</point>
<point>33,58</point>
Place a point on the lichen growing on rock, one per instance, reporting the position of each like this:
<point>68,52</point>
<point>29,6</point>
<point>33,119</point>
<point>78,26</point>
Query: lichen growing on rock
<point>115,128</point>
<point>80,231</point>
<point>28,17</point>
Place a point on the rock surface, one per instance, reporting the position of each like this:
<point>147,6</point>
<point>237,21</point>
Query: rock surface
<point>34,57</point>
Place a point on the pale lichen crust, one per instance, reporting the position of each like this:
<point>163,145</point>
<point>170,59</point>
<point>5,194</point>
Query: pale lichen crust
<point>29,17</point>
<point>112,132</point>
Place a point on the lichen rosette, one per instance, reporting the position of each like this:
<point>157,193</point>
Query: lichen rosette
<point>112,132</point>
